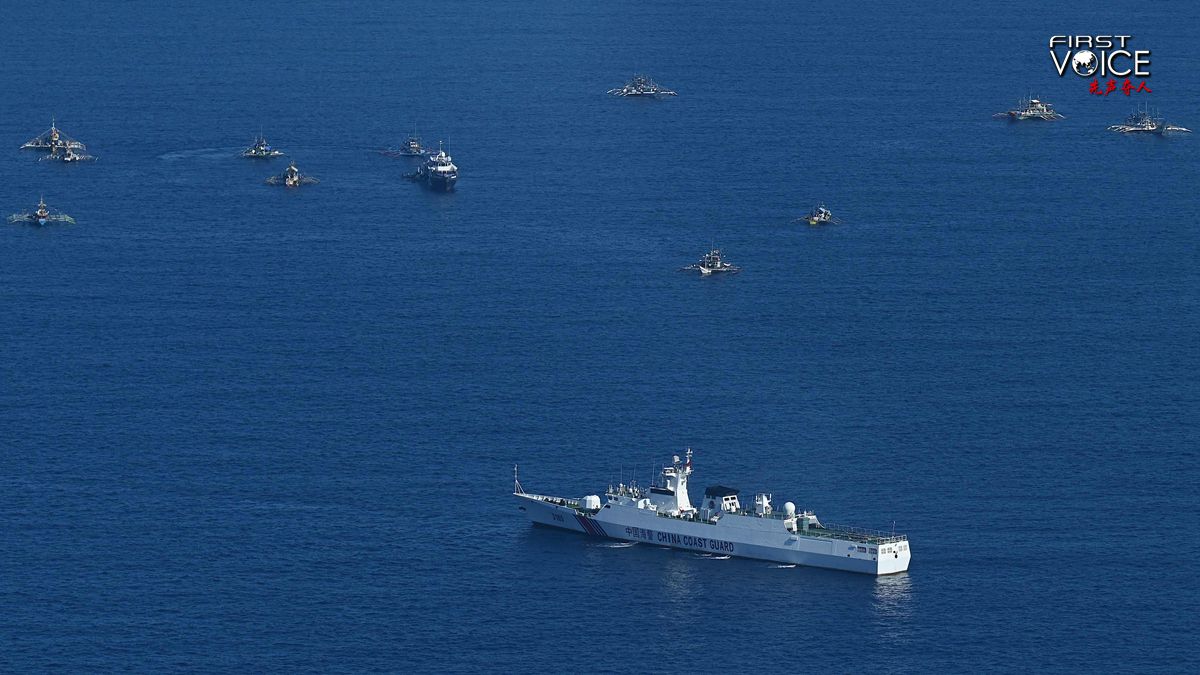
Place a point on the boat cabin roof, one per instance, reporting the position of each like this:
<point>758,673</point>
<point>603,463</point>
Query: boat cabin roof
<point>720,491</point>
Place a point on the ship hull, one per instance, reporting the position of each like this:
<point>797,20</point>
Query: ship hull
<point>434,180</point>
<point>743,537</point>
<point>442,183</point>
<point>552,515</point>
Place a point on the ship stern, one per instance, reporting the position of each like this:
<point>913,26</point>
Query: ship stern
<point>893,558</point>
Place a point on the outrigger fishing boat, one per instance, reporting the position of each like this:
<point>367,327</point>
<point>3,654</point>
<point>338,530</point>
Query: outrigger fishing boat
<point>261,149</point>
<point>1142,121</point>
<point>819,216</point>
<point>1031,108</point>
<point>438,172</point>
<point>291,177</point>
<point>53,140</point>
<point>711,262</point>
<point>412,148</point>
<point>41,216</point>
<point>642,85</point>
<point>68,156</point>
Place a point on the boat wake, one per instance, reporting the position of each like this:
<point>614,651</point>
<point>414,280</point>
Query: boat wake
<point>782,567</point>
<point>623,544</point>
<point>711,556</point>
<point>200,153</point>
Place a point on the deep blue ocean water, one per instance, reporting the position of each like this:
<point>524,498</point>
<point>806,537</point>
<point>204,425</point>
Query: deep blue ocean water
<point>249,429</point>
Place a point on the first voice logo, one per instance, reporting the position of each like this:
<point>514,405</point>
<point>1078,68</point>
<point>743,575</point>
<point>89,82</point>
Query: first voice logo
<point>1102,56</point>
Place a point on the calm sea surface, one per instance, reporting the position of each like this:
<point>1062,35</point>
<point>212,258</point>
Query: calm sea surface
<point>249,429</point>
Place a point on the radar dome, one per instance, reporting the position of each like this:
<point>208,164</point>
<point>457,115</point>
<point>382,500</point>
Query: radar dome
<point>789,509</point>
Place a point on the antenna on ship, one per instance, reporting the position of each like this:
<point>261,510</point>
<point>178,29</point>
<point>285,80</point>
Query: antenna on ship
<point>516,483</point>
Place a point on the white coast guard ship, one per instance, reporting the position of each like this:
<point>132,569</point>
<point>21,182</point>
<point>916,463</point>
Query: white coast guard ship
<point>664,515</point>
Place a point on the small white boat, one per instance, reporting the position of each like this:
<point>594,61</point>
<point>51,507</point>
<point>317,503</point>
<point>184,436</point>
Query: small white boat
<point>642,85</point>
<point>412,148</point>
<point>261,149</point>
<point>712,263</point>
<point>819,216</point>
<point>291,177</point>
<point>1031,109</point>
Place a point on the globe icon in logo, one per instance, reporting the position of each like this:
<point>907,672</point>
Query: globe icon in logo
<point>1084,63</point>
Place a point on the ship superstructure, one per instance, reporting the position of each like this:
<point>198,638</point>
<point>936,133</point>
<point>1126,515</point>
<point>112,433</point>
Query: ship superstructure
<point>664,515</point>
